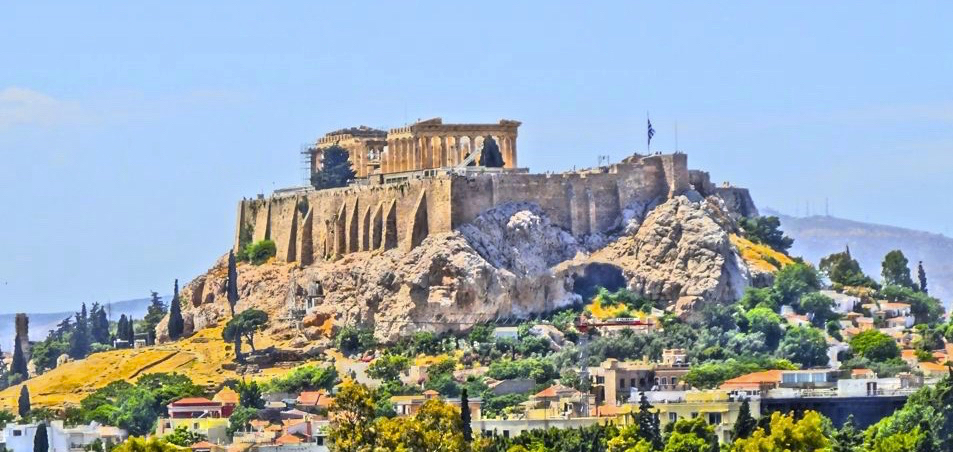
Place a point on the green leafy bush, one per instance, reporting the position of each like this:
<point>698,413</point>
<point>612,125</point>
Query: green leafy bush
<point>259,252</point>
<point>304,378</point>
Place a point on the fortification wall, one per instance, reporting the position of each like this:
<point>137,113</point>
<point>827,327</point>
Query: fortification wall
<point>324,224</point>
<point>312,225</point>
<point>582,203</point>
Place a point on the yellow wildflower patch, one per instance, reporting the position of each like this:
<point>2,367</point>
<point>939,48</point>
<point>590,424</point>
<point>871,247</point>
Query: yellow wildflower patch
<point>760,257</point>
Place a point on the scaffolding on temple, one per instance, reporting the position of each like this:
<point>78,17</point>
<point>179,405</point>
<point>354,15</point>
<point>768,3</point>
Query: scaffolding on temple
<point>305,163</point>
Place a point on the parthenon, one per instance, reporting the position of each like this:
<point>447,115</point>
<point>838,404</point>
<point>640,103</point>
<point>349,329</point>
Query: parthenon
<point>419,146</point>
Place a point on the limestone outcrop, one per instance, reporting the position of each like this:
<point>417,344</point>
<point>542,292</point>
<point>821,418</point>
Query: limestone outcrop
<point>511,261</point>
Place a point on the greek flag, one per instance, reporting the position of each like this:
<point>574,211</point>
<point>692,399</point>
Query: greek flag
<point>651,132</point>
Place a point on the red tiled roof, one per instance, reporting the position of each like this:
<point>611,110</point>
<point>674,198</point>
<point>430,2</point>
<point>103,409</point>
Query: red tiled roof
<point>754,378</point>
<point>189,401</point>
<point>554,390</point>
<point>287,439</point>
<point>202,445</point>
<point>315,398</point>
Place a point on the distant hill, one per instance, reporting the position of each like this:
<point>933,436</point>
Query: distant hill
<point>42,323</point>
<point>818,236</point>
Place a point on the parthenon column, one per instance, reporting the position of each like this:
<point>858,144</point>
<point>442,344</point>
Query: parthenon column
<point>427,151</point>
<point>401,154</point>
<point>442,153</point>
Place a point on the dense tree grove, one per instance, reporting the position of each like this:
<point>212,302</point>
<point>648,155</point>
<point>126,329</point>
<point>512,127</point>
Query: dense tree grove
<point>766,231</point>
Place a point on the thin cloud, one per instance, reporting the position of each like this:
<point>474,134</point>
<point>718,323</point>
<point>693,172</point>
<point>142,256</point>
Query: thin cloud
<point>23,107</point>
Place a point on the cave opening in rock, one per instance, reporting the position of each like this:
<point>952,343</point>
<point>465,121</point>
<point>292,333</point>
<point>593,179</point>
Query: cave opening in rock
<point>598,275</point>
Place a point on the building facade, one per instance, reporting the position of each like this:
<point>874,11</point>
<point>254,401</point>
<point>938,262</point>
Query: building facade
<point>419,146</point>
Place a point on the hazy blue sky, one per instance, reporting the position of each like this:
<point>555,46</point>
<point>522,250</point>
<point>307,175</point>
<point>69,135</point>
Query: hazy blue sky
<point>129,130</point>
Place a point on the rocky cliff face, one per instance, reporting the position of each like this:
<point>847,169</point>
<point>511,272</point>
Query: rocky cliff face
<point>509,262</point>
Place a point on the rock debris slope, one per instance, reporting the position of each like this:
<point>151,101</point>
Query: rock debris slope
<point>509,262</point>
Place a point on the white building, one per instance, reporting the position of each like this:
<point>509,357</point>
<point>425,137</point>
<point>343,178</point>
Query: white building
<point>506,332</point>
<point>19,437</point>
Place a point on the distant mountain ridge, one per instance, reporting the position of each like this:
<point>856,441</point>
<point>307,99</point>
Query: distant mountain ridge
<point>42,323</point>
<point>818,236</point>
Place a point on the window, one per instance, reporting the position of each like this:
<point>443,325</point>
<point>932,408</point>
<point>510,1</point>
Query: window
<point>632,382</point>
<point>621,383</point>
<point>506,433</point>
<point>672,417</point>
<point>674,381</point>
<point>642,382</point>
<point>18,433</point>
<point>664,381</point>
<point>694,414</point>
<point>714,418</point>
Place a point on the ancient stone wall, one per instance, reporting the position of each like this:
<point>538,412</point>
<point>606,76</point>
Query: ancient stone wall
<point>310,225</point>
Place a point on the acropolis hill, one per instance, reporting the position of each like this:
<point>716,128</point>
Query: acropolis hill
<point>441,228</point>
<point>413,182</point>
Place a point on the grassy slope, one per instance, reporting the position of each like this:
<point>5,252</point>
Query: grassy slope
<point>200,357</point>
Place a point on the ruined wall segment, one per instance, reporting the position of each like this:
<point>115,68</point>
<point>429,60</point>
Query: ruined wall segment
<point>312,225</point>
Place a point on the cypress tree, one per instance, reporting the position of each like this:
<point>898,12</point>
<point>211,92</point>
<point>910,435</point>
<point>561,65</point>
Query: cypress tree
<point>19,365</point>
<point>176,325</point>
<point>41,442</point>
<point>98,324</point>
<point>231,289</point>
<point>648,423</point>
<point>79,341</point>
<point>231,285</point>
<point>922,276</point>
<point>465,416</point>
<point>23,403</point>
<point>121,327</point>
<point>131,330</point>
<point>154,315</point>
<point>745,424</point>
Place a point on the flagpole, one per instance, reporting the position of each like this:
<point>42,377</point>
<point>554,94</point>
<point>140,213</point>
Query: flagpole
<point>648,140</point>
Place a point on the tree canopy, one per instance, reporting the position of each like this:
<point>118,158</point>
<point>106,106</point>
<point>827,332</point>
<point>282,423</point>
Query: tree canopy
<point>335,169</point>
<point>245,325</point>
<point>805,346</point>
<point>766,231</point>
<point>896,270</point>
<point>844,270</point>
<point>874,345</point>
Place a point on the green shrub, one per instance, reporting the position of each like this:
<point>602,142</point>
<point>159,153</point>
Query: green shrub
<point>259,252</point>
